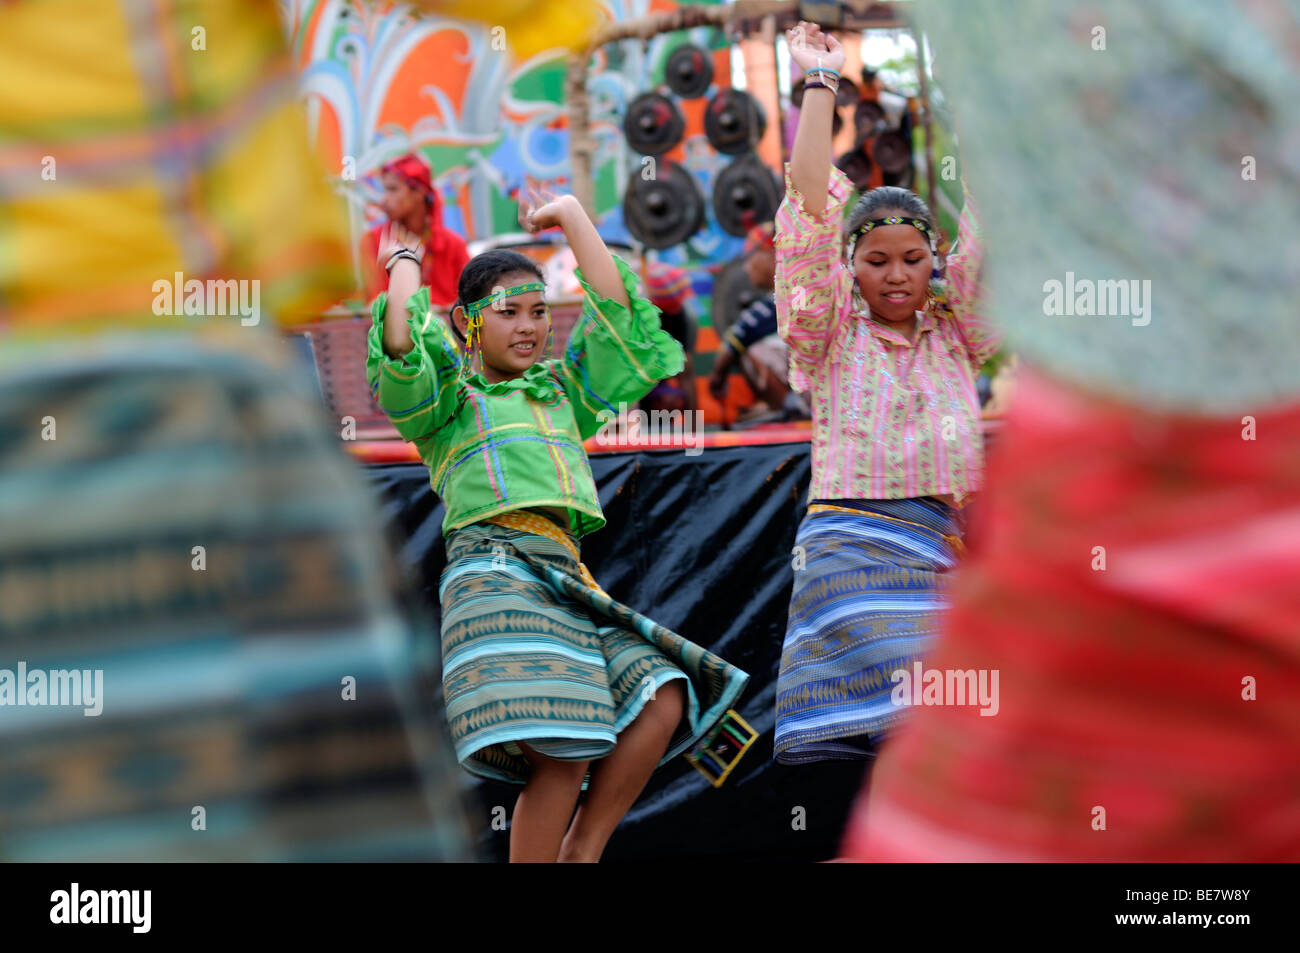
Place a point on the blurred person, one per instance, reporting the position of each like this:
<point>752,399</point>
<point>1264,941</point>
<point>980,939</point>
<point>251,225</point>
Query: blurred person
<point>753,343</point>
<point>888,352</point>
<point>1135,585</point>
<point>207,652</point>
<point>415,218</point>
<point>1002,388</point>
<point>669,289</point>
<point>545,675</point>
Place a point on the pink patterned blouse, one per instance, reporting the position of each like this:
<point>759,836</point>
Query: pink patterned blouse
<point>891,419</point>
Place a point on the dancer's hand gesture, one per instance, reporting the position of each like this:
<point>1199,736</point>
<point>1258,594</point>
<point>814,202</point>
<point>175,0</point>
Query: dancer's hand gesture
<point>540,210</point>
<point>811,48</point>
<point>395,237</point>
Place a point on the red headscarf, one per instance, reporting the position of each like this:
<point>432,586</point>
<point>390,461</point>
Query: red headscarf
<point>413,171</point>
<point>445,253</point>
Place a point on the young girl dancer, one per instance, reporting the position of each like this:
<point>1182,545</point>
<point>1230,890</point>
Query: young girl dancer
<point>889,354</point>
<point>545,677</point>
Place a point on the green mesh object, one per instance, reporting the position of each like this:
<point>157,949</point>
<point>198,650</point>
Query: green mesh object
<point>1109,141</point>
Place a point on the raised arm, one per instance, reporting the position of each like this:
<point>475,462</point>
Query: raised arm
<point>594,259</point>
<point>965,286</point>
<point>810,162</point>
<point>412,361</point>
<point>618,350</point>
<point>403,281</point>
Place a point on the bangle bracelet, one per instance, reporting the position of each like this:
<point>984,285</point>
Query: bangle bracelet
<point>400,254</point>
<point>822,75</point>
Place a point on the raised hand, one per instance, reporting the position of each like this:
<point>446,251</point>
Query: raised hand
<point>396,236</point>
<point>540,210</point>
<point>811,48</point>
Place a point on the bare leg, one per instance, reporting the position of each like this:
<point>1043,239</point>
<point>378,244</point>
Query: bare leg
<point>618,778</point>
<point>544,808</point>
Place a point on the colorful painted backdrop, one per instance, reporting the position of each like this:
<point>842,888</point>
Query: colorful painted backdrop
<point>380,80</point>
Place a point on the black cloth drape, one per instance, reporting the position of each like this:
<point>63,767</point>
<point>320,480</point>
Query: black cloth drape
<point>703,546</point>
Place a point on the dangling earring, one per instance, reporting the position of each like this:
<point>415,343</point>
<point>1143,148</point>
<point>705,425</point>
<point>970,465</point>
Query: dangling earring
<point>550,335</point>
<point>937,293</point>
<point>859,302</point>
<point>472,326</point>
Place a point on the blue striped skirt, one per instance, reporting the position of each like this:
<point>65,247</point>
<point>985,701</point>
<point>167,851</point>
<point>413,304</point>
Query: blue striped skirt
<point>531,652</point>
<point>867,594</point>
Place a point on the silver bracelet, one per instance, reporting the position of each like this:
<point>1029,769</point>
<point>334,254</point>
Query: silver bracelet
<point>400,254</point>
<point>823,75</point>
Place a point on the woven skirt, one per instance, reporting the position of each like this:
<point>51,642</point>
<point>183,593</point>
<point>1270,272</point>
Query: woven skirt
<point>534,651</point>
<point>866,602</point>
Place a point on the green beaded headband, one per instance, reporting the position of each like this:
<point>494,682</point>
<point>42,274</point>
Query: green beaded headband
<point>474,311</point>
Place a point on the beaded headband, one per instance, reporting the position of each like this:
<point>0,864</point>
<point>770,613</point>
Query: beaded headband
<point>474,314</point>
<point>938,291</point>
<point>919,224</point>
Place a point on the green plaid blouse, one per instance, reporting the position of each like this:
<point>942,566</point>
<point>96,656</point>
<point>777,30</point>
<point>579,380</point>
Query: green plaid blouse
<point>491,448</point>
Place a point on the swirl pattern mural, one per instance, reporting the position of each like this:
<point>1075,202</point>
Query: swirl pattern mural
<point>383,79</point>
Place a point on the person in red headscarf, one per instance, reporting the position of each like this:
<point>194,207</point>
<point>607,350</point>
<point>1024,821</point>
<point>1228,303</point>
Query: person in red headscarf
<point>414,211</point>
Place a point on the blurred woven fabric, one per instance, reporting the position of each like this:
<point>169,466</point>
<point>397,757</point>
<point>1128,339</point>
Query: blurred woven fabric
<point>140,140</point>
<point>176,509</point>
<point>1136,552</point>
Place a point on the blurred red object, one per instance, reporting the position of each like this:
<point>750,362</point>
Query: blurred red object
<point>1136,590</point>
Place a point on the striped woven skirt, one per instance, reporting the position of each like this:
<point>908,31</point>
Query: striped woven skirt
<point>866,599</point>
<point>533,650</point>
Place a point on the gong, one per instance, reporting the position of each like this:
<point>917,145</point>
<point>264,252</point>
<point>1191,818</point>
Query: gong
<point>689,71</point>
<point>902,179</point>
<point>868,119</point>
<point>664,210</point>
<point>653,124</point>
<point>733,292</point>
<point>745,194</point>
<point>892,152</point>
<point>856,164</point>
<point>734,121</point>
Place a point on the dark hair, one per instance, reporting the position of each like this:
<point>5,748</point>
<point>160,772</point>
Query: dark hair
<point>480,276</point>
<point>890,197</point>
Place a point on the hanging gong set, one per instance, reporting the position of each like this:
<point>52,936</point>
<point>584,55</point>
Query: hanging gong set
<point>689,71</point>
<point>734,121</point>
<point>653,124</point>
<point>868,119</point>
<point>882,133</point>
<point>667,207</point>
<point>856,164</point>
<point>746,194</point>
<point>664,209</point>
